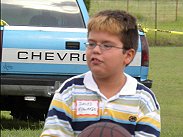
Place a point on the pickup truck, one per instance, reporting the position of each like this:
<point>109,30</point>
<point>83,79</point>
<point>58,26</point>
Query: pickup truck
<point>42,45</point>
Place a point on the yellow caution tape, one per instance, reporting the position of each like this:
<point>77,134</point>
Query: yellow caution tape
<point>3,23</point>
<point>166,31</point>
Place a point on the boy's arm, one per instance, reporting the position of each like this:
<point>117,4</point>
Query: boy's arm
<point>148,122</point>
<point>57,123</point>
<point>149,125</point>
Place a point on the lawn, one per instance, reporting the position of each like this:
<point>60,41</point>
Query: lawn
<point>166,72</point>
<point>15,128</point>
<point>144,11</point>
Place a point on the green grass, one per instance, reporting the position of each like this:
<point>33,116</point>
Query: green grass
<point>166,72</point>
<point>15,128</point>
<point>144,10</point>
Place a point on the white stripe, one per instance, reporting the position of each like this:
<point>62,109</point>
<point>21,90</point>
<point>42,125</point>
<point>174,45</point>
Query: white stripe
<point>55,29</point>
<point>137,60</point>
<point>154,115</point>
<point>149,101</point>
<point>143,134</point>
<point>51,56</point>
<point>43,56</point>
<point>122,108</point>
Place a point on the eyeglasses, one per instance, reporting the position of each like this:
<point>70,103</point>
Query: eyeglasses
<point>103,46</point>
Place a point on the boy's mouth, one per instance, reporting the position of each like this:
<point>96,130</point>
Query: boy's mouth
<point>95,61</point>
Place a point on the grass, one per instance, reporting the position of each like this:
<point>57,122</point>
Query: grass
<point>145,13</point>
<point>15,128</point>
<point>166,72</point>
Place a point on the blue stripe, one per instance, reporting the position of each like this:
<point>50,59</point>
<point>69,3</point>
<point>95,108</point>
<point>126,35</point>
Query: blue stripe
<point>149,124</point>
<point>84,93</point>
<point>86,119</point>
<point>118,120</point>
<point>142,87</point>
<point>61,115</point>
<point>59,110</point>
<point>59,70</point>
<point>147,129</point>
<point>75,81</point>
<point>79,126</point>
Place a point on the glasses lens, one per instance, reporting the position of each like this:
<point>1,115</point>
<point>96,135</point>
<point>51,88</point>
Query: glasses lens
<point>90,45</point>
<point>103,46</point>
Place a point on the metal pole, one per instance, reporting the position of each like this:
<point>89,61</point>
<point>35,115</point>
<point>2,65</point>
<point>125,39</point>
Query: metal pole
<point>176,10</point>
<point>156,5</point>
<point>127,5</point>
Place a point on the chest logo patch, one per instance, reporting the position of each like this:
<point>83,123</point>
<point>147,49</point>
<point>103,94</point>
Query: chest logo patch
<point>87,107</point>
<point>132,118</point>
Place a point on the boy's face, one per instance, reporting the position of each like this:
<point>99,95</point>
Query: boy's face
<point>105,62</point>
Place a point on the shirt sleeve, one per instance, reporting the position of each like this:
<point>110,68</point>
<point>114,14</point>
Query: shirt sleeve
<point>148,123</point>
<point>57,123</point>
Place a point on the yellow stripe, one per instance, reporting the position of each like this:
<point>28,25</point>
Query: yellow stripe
<point>125,116</point>
<point>150,121</point>
<point>62,106</point>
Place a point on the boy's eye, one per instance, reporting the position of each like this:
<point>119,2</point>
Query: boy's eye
<point>107,46</point>
<point>92,44</point>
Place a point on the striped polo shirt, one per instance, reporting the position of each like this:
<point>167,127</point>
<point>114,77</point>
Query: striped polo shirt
<point>79,103</point>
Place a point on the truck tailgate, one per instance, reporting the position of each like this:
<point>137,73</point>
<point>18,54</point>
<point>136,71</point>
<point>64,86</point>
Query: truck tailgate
<point>58,51</point>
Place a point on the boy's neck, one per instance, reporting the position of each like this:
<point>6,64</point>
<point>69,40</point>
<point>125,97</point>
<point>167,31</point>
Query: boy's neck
<point>111,86</point>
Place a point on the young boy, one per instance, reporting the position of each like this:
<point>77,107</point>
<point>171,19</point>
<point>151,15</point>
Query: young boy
<point>105,93</point>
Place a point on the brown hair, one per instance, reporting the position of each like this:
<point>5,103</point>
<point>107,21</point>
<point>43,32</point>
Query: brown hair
<point>116,22</point>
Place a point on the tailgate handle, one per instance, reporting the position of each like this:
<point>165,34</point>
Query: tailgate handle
<point>72,45</point>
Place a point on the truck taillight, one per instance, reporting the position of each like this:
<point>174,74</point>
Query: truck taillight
<point>1,39</point>
<point>145,51</point>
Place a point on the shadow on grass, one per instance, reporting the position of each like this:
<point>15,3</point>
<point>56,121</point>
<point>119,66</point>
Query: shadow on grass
<point>10,123</point>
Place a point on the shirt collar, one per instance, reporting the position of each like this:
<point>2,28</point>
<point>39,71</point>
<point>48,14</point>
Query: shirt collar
<point>89,82</point>
<point>128,89</point>
<point>130,86</point>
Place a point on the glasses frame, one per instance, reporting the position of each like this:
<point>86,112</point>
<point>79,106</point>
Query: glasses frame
<point>102,46</point>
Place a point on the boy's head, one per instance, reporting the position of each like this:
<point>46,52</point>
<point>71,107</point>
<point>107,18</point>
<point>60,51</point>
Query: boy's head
<point>119,23</point>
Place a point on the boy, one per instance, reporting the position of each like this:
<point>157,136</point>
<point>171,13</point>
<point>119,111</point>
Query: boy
<point>105,93</point>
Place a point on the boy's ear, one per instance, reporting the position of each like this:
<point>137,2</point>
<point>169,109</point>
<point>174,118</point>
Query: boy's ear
<point>130,54</point>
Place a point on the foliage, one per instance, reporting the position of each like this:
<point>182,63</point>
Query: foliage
<point>87,3</point>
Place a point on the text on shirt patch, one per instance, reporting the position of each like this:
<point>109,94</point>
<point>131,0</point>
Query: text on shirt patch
<point>87,107</point>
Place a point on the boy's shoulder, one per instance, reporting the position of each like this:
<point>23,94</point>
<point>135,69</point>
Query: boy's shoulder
<point>147,95</point>
<point>75,80</point>
<point>142,88</point>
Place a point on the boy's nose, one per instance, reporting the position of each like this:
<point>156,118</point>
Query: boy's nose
<point>97,49</point>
